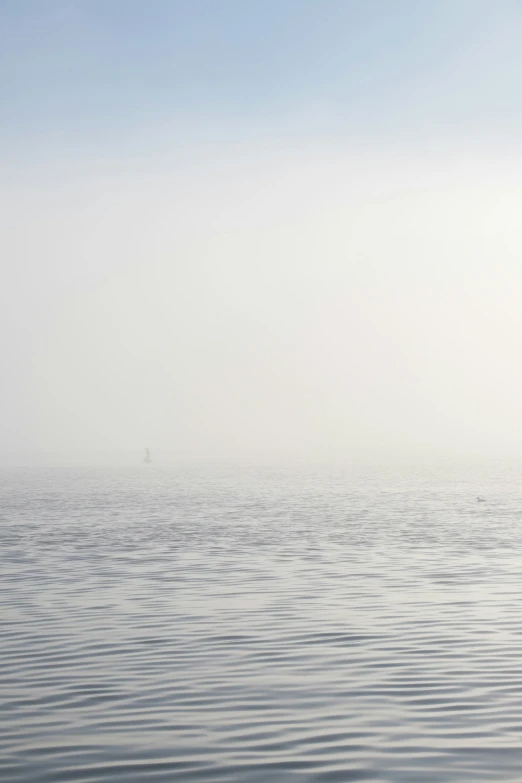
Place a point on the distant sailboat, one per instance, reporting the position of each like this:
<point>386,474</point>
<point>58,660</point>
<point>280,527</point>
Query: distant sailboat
<point>147,457</point>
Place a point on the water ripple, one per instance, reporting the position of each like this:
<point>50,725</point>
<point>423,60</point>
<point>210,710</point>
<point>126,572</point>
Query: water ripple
<point>259,625</point>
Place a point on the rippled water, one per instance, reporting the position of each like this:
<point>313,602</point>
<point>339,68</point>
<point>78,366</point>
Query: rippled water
<point>258,625</point>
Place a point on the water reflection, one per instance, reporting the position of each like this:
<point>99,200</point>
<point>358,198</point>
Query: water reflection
<point>255,625</point>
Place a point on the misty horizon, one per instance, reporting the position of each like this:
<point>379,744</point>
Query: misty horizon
<point>336,320</point>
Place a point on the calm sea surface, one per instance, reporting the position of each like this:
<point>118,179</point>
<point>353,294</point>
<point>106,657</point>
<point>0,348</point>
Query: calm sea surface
<point>260,625</point>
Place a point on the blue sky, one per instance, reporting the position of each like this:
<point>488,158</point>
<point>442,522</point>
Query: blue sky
<point>89,72</point>
<point>242,226</point>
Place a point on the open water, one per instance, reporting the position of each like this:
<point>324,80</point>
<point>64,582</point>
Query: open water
<point>221,624</point>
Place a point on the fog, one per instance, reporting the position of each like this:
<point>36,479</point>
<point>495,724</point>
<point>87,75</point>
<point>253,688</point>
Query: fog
<point>264,300</point>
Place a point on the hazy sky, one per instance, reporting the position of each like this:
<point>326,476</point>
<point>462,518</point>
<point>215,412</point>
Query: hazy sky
<point>260,227</point>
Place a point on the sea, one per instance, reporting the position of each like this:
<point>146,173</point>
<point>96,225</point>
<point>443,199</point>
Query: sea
<point>251,623</point>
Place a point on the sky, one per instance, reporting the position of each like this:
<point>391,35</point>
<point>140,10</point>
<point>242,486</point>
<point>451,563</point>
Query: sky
<point>278,229</point>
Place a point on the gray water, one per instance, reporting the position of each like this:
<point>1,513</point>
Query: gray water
<point>260,625</point>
